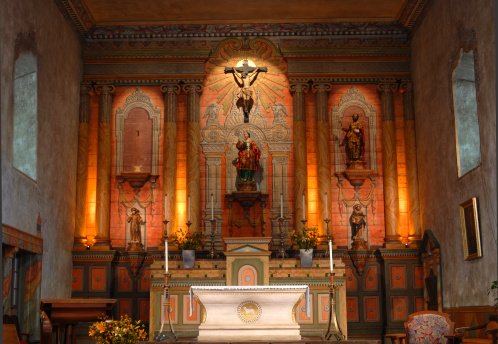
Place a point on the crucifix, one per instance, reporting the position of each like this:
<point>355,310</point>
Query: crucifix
<point>245,76</point>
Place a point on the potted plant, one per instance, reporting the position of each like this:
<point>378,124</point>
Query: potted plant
<point>122,331</point>
<point>305,241</point>
<point>188,243</point>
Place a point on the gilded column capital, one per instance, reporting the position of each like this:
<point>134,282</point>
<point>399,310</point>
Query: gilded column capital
<point>105,89</point>
<point>321,87</point>
<point>86,88</point>
<point>192,88</point>
<point>387,87</point>
<point>406,86</point>
<point>170,88</point>
<point>299,88</point>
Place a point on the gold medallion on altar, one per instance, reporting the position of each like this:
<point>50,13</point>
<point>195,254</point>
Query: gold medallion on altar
<point>249,311</point>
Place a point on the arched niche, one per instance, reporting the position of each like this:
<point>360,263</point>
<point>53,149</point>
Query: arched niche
<point>354,102</point>
<point>138,104</point>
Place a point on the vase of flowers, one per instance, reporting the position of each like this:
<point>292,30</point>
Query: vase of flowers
<point>188,243</point>
<point>122,331</point>
<point>305,240</point>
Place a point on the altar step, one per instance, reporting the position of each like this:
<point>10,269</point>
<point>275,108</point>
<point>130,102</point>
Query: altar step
<point>302,341</point>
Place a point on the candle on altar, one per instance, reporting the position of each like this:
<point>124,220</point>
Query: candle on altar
<point>166,255</point>
<point>304,208</point>
<point>326,207</point>
<point>166,206</point>
<point>188,208</point>
<point>212,207</point>
<point>281,205</point>
<point>330,254</point>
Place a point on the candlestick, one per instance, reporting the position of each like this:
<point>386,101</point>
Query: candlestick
<point>212,207</point>
<point>304,208</point>
<point>188,208</point>
<point>281,205</point>
<point>331,262</point>
<point>166,206</point>
<point>166,255</point>
<point>326,207</point>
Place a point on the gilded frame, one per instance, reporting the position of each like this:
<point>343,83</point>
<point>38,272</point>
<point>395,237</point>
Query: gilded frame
<point>470,229</point>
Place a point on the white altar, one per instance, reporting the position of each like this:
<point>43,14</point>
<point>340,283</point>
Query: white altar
<point>249,312</point>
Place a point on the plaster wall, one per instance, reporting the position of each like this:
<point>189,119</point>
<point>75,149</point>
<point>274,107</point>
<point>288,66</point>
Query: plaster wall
<point>53,193</point>
<point>441,191</point>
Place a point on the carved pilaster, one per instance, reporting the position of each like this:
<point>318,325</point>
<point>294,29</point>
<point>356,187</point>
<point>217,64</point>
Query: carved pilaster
<point>300,151</point>
<point>322,154</point>
<point>390,165</point>
<point>169,151</point>
<point>193,154</point>
<point>82,172</point>
<point>414,229</point>
<point>102,211</point>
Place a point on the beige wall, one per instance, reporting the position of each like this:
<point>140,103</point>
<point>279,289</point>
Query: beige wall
<point>465,283</point>
<point>53,194</point>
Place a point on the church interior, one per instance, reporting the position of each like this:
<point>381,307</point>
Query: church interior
<point>133,133</point>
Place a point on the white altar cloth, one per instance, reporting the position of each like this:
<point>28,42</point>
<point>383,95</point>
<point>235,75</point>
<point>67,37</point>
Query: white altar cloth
<point>249,312</point>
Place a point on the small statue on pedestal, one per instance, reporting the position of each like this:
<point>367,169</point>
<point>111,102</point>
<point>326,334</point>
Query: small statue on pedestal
<point>247,163</point>
<point>355,143</point>
<point>358,223</point>
<point>136,222</point>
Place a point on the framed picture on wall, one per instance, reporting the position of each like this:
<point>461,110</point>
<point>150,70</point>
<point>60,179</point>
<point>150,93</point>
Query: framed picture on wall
<point>470,229</point>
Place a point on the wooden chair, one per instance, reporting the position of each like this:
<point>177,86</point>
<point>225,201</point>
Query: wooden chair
<point>490,331</point>
<point>14,320</point>
<point>10,334</point>
<point>427,327</point>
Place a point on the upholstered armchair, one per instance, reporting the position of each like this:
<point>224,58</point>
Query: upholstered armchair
<point>427,327</point>
<point>490,331</point>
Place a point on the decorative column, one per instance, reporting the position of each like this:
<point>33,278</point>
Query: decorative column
<point>82,172</point>
<point>193,153</point>
<point>414,230</point>
<point>102,211</point>
<point>169,152</point>
<point>390,165</point>
<point>322,155</point>
<point>300,152</point>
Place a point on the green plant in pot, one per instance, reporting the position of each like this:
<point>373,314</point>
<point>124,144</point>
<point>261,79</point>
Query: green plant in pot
<point>188,242</point>
<point>305,240</point>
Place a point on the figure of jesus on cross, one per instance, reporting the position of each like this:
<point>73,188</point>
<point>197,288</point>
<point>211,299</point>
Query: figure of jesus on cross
<point>245,76</point>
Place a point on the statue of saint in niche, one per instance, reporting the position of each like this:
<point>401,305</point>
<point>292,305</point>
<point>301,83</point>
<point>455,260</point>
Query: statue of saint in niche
<point>357,222</point>
<point>136,222</point>
<point>245,76</point>
<point>354,140</point>
<point>247,162</point>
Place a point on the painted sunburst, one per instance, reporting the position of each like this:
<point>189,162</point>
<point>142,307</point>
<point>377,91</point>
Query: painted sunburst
<point>258,52</point>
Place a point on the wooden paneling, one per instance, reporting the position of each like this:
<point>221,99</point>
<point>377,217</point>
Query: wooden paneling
<point>398,277</point>
<point>98,278</point>
<point>351,280</point>
<point>371,310</point>
<point>144,309</point>
<point>78,276</point>
<point>399,308</point>
<point>371,279</point>
<point>418,303</point>
<point>352,309</point>
<point>125,307</point>
<point>144,282</point>
<point>125,282</point>
<point>417,277</point>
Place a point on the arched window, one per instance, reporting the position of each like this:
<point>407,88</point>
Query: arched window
<point>465,106</point>
<point>25,115</point>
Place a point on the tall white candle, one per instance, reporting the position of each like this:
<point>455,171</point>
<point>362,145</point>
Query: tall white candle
<point>166,255</point>
<point>326,207</point>
<point>188,208</point>
<point>281,205</point>
<point>166,206</point>
<point>330,254</point>
<point>304,208</point>
<point>212,207</point>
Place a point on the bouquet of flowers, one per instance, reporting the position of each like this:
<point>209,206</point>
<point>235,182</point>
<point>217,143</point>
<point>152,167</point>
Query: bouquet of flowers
<point>307,239</point>
<point>188,241</point>
<point>122,331</point>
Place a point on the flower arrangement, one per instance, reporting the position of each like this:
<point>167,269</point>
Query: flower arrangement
<point>188,241</point>
<point>307,239</point>
<point>122,331</point>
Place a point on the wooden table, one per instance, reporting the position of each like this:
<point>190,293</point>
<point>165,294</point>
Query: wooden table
<point>62,314</point>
